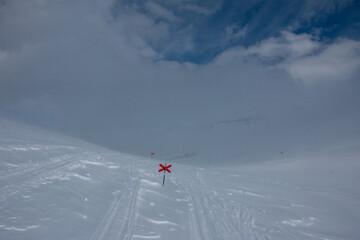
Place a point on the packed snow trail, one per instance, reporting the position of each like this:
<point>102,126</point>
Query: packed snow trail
<point>71,190</point>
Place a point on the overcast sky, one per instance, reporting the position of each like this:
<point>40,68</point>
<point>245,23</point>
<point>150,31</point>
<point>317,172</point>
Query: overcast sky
<point>124,73</point>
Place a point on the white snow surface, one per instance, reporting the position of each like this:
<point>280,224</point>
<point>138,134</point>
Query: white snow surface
<point>57,187</point>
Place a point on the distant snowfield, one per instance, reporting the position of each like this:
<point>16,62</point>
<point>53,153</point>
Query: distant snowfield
<point>56,187</point>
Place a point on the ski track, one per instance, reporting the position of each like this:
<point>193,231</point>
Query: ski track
<point>21,179</point>
<point>126,230</point>
<point>119,219</point>
<point>33,171</point>
<point>194,223</point>
<point>103,228</point>
<point>213,216</point>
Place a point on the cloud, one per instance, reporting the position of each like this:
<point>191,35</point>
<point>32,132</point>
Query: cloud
<point>235,32</point>
<point>199,9</point>
<point>214,26</point>
<point>2,55</point>
<point>305,58</point>
<point>287,46</point>
<point>311,10</point>
<point>77,67</point>
<point>339,61</point>
<point>161,12</point>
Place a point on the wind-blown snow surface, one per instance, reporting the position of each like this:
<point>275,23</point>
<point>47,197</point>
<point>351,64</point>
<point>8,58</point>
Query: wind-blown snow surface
<point>56,187</point>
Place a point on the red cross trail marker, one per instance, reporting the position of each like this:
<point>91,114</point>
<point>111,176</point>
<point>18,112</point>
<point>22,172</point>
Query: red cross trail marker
<point>165,169</point>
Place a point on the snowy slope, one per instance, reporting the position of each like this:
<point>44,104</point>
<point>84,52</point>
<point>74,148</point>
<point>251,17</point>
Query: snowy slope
<point>56,187</point>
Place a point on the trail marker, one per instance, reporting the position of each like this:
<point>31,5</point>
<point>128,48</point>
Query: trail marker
<point>165,169</point>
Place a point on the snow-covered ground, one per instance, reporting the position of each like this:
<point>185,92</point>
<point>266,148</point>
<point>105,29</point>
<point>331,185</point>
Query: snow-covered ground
<point>56,187</point>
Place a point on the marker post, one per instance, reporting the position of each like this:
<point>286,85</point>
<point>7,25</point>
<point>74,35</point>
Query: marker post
<point>164,176</point>
<point>165,169</point>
